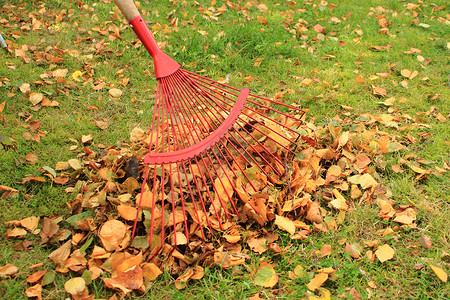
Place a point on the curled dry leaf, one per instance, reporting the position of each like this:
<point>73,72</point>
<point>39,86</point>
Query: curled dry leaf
<point>8,270</point>
<point>34,291</point>
<point>113,235</point>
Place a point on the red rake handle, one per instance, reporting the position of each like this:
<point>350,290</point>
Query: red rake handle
<point>164,65</point>
<point>205,144</point>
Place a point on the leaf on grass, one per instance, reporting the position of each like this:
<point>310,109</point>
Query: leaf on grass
<point>440,273</point>
<point>266,276</point>
<point>74,163</point>
<point>317,281</point>
<point>379,91</point>
<point>75,286</point>
<point>325,250</point>
<point>36,276</point>
<point>35,98</point>
<point>16,233</point>
<point>34,291</point>
<point>8,270</point>
<point>384,253</point>
<point>116,93</point>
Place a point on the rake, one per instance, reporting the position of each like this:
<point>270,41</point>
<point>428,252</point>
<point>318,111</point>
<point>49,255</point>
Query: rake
<point>210,145</point>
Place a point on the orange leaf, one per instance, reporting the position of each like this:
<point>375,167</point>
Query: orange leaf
<point>385,253</point>
<point>113,235</point>
<point>36,276</point>
<point>317,281</point>
<point>126,212</point>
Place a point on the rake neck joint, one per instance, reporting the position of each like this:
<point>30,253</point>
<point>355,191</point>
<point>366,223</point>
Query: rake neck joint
<point>164,64</point>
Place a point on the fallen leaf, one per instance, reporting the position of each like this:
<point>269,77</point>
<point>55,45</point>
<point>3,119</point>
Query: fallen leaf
<point>36,276</point>
<point>266,276</point>
<point>35,98</point>
<point>325,250</point>
<point>75,286</point>
<point>8,270</point>
<point>384,253</point>
<point>126,212</point>
<point>150,271</point>
<point>440,273</point>
<point>34,291</point>
<point>113,235</point>
<point>116,93</point>
<point>317,281</point>
<point>425,241</point>
<point>285,224</point>
<point>60,255</point>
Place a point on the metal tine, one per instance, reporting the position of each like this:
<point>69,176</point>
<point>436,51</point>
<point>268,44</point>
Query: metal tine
<point>219,96</point>
<point>175,106</point>
<point>203,160</point>
<point>227,150</point>
<point>243,138</point>
<point>158,104</point>
<point>170,114</point>
<point>216,84</point>
<point>220,86</point>
<point>209,158</point>
<point>183,99</point>
<point>252,146</point>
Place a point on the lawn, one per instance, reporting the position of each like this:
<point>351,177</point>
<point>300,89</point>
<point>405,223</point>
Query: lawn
<point>372,76</point>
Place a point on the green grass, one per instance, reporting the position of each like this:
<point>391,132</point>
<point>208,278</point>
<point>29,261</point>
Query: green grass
<point>287,57</point>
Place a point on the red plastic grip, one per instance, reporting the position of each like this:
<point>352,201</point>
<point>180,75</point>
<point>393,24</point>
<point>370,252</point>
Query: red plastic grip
<point>205,144</point>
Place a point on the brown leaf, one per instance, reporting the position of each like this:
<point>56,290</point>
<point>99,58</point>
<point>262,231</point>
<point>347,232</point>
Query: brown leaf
<point>379,91</point>
<point>325,250</point>
<point>60,255</point>
<point>314,214</point>
<point>34,291</point>
<point>127,281</point>
<point>113,235</point>
<point>150,271</point>
<point>425,241</point>
<point>35,277</point>
<point>101,124</point>
<point>31,158</point>
<point>8,270</point>
<point>285,224</point>
<point>126,212</point>
<point>35,98</point>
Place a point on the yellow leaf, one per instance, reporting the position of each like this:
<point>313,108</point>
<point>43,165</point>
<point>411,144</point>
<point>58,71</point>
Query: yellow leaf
<point>324,295</point>
<point>384,253</point>
<point>441,274</point>
<point>366,181</point>
<point>116,93</point>
<point>285,224</point>
<point>266,277</point>
<point>35,98</point>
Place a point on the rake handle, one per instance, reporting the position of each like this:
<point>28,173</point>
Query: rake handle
<point>128,8</point>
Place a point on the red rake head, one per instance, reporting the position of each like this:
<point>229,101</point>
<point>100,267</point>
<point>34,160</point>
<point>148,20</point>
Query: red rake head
<point>209,148</point>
